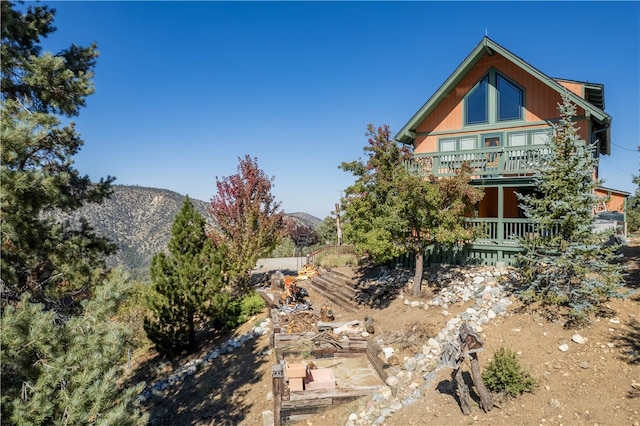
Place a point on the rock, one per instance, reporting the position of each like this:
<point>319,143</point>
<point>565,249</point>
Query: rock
<point>454,321</point>
<point>563,347</point>
<point>353,417</point>
<point>368,325</point>
<point>583,364</point>
<point>433,343</point>
<point>578,339</point>
<point>554,403</point>
<point>267,418</point>
<point>392,381</point>
<point>478,280</point>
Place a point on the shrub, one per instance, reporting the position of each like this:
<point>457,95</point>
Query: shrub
<point>504,375</point>
<point>251,305</point>
<point>337,260</point>
<point>232,312</point>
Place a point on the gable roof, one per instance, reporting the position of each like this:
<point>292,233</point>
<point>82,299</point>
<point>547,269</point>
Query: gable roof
<point>489,47</point>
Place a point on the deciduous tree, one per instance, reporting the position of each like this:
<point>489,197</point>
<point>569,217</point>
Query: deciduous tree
<point>391,211</point>
<point>249,220</point>
<point>186,283</point>
<point>567,264</point>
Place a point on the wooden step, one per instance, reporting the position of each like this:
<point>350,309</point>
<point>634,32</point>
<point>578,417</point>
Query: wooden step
<point>337,288</point>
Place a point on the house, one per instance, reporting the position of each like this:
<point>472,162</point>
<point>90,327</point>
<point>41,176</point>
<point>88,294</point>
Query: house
<point>496,112</point>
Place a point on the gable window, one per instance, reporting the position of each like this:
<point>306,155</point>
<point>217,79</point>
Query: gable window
<point>493,99</point>
<point>476,105</point>
<point>509,100</point>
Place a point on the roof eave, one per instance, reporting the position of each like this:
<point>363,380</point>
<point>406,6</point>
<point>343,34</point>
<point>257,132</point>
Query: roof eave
<point>488,46</point>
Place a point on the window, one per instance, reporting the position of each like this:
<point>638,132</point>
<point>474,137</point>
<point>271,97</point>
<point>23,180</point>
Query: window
<point>491,157</point>
<point>458,144</point>
<point>509,100</point>
<point>448,145</point>
<point>540,137</point>
<point>493,99</point>
<point>517,139</point>
<point>476,105</point>
<point>467,143</point>
<point>490,141</point>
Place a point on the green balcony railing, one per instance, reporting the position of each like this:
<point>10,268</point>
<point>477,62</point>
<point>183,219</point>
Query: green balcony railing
<point>487,162</point>
<point>507,231</point>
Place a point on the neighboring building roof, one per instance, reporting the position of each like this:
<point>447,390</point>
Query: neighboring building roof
<point>594,93</point>
<point>614,191</point>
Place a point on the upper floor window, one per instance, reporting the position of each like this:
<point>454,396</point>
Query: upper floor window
<point>493,99</point>
<point>476,105</point>
<point>509,100</point>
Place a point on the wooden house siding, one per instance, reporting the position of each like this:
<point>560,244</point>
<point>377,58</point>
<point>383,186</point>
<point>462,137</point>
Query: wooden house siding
<point>575,87</point>
<point>616,200</point>
<point>501,171</point>
<point>541,106</point>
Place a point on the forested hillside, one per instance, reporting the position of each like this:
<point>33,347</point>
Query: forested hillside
<point>139,219</point>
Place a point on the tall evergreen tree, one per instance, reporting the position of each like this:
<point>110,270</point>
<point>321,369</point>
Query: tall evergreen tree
<point>249,220</point>
<point>633,206</point>
<point>567,264</point>
<point>58,371</point>
<point>186,283</point>
<point>40,256</point>
<point>57,368</point>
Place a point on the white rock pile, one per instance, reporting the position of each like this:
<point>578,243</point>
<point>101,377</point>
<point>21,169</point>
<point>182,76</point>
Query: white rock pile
<point>192,366</point>
<point>414,374</point>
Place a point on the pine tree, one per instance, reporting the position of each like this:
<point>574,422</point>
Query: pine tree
<point>186,283</point>
<point>567,264</point>
<point>39,256</point>
<point>633,206</point>
<point>67,371</point>
<point>59,366</point>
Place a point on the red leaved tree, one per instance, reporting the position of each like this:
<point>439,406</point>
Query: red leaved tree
<point>301,234</point>
<point>249,220</point>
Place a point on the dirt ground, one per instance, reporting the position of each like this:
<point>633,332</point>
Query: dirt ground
<point>597,383</point>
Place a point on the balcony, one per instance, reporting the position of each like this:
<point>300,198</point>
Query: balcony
<point>487,162</point>
<point>505,232</point>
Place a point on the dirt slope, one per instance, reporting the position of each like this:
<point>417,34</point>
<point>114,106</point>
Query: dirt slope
<point>594,383</point>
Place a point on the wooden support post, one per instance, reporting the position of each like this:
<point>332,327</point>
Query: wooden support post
<point>486,401</point>
<point>462,390</point>
<point>278,387</point>
<point>468,346</point>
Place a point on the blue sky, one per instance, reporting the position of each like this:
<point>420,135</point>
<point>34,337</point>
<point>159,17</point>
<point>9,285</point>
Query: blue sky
<point>183,89</point>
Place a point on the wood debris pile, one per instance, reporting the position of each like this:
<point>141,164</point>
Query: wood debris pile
<point>299,322</point>
<point>307,271</point>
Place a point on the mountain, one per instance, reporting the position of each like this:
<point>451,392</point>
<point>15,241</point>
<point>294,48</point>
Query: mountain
<point>139,220</point>
<point>306,219</point>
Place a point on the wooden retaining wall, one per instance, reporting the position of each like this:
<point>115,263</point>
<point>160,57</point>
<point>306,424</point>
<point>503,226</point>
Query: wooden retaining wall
<point>297,406</point>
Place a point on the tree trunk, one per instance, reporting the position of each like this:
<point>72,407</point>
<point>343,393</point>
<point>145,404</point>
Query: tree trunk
<point>486,401</point>
<point>462,390</point>
<point>417,279</point>
<point>338,224</point>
